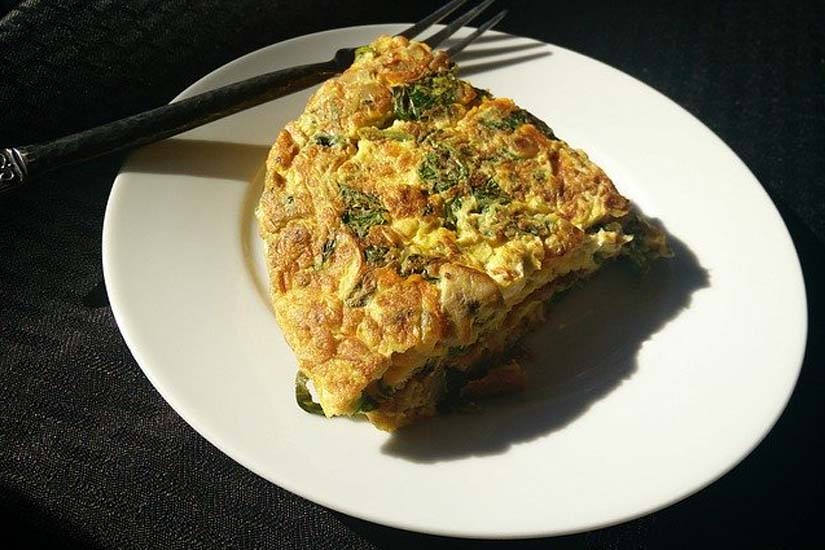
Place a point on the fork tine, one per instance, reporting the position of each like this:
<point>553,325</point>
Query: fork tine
<point>484,27</point>
<point>432,19</point>
<point>456,24</point>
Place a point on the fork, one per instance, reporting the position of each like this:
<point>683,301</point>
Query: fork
<point>21,165</point>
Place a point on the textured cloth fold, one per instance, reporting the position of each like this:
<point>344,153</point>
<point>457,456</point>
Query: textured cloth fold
<point>91,455</point>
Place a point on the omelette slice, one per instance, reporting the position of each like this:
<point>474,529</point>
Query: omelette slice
<point>415,228</point>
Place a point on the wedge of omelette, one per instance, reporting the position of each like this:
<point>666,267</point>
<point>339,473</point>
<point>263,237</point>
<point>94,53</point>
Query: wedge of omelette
<point>415,229</point>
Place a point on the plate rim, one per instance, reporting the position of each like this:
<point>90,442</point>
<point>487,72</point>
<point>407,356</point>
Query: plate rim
<point>204,431</point>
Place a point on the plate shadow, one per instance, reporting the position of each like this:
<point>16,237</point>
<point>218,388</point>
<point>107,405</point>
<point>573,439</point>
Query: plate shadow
<point>201,158</point>
<point>465,71</point>
<point>588,346</point>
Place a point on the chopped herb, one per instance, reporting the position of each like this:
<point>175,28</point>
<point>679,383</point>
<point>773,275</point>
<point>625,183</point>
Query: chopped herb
<point>396,135</point>
<point>450,208</point>
<point>516,119</point>
<point>610,225</point>
<point>327,140</point>
<point>489,193</point>
<point>375,254</point>
<point>326,252</point>
<point>483,94</point>
<point>361,292</point>
<point>428,209</point>
<point>361,210</point>
<point>509,123</point>
<point>417,264</point>
<point>416,100</point>
<point>372,133</point>
<point>532,226</point>
<point>442,169</point>
<point>532,229</point>
<point>327,249</point>
<point>361,51</point>
<point>303,397</point>
<point>540,125</point>
<point>366,404</point>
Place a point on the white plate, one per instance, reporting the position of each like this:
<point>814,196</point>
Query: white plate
<point>643,390</point>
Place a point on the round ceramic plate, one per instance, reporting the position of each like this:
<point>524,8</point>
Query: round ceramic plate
<point>644,388</point>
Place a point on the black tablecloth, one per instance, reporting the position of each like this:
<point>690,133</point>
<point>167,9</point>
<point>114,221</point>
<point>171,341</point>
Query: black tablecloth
<point>91,455</point>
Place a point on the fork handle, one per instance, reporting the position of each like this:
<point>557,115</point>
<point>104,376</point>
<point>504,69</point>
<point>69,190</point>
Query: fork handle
<point>21,165</point>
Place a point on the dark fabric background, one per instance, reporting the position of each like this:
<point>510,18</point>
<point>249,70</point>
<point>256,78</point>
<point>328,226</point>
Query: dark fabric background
<point>91,456</point>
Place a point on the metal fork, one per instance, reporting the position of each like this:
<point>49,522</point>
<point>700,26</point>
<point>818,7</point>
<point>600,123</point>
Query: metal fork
<point>21,165</point>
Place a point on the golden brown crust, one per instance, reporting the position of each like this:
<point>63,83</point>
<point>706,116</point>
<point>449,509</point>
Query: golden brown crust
<point>405,213</point>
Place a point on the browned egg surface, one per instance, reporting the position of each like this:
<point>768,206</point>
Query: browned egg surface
<point>416,225</point>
